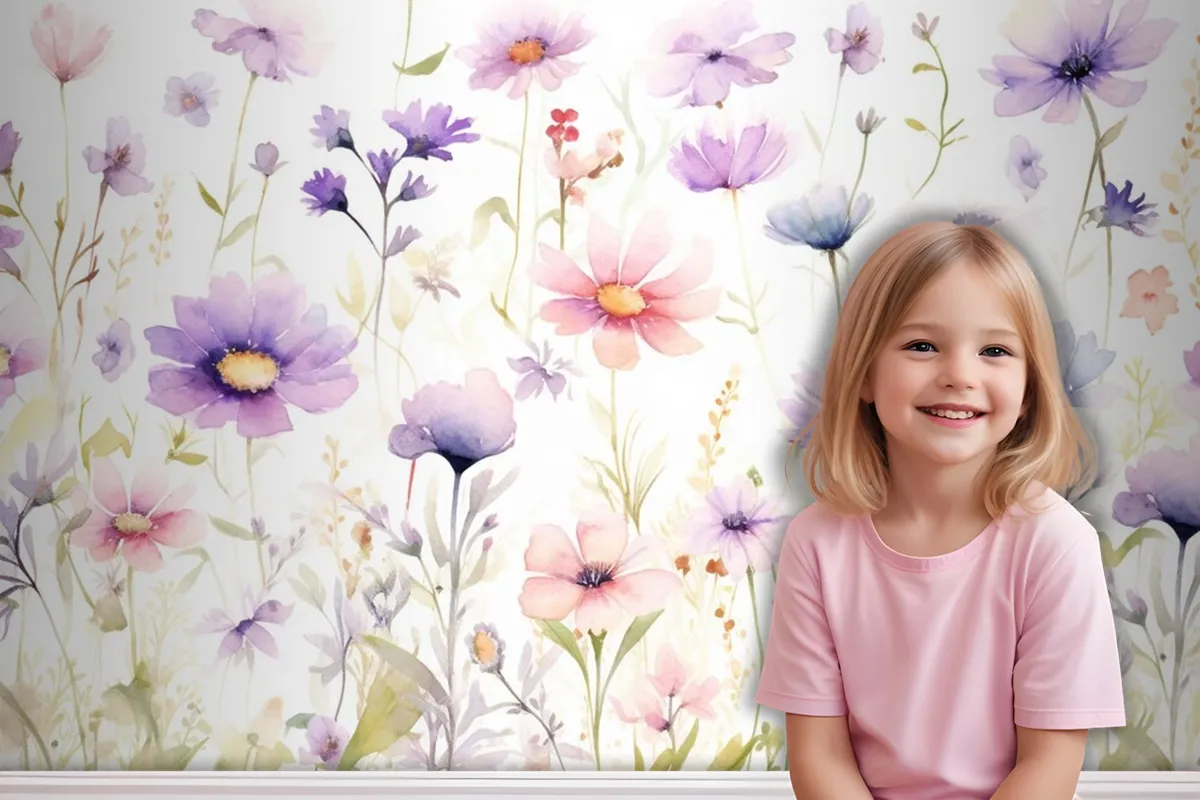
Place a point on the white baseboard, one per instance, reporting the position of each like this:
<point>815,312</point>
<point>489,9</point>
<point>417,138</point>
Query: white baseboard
<point>474,785</point>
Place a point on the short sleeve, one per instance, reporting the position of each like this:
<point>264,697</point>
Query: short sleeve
<point>1067,674</point>
<point>800,672</point>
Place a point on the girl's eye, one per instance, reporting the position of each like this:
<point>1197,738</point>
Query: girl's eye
<point>994,351</point>
<point>920,347</point>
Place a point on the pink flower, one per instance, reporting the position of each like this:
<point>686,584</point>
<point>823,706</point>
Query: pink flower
<point>616,301</point>
<point>571,167</point>
<point>67,51</point>
<point>139,521</point>
<point>273,43</point>
<point>1149,298</point>
<point>20,353</point>
<point>669,682</point>
<point>607,580</point>
<point>532,44</point>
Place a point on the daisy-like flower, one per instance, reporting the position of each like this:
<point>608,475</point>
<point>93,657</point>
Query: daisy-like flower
<point>530,44</point>
<point>275,43</point>
<point>739,524</point>
<point>618,302</point>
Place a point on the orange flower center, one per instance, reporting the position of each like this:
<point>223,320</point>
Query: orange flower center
<point>190,101</point>
<point>619,300</point>
<point>247,371</point>
<point>5,357</point>
<point>527,51</point>
<point>484,647</point>
<point>131,524</point>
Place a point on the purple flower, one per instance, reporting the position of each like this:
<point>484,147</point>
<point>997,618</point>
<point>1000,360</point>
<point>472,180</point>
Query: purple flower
<point>729,162</point>
<point>192,98</point>
<point>924,28</point>
<point>122,160</point>
<point>247,353</point>
<point>1024,166</point>
<point>1062,57</point>
<point>862,41</point>
<point>464,424</point>
<point>273,43</point>
<point>541,373</point>
<point>980,218</point>
<point>804,405</point>
<point>530,44</point>
<point>414,189</point>
<point>382,164</point>
<point>244,637</point>
<point>402,237</point>
<point>37,484</point>
<point>1082,362</point>
<point>10,140</point>
<point>20,353</point>
<point>1187,397</point>
<point>429,134</point>
<point>738,524</point>
<point>1119,211</point>
<point>327,741</point>
<point>823,219</point>
<point>9,238</point>
<point>1163,485</point>
<point>266,159</point>
<point>333,129</point>
<point>701,56</point>
<point>326,192</point>
<point>116,350</point>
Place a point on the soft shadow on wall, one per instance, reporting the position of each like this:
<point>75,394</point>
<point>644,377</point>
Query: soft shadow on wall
<point>343,353</point>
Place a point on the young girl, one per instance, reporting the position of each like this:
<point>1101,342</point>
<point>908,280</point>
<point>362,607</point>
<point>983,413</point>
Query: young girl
<point>942,628</point>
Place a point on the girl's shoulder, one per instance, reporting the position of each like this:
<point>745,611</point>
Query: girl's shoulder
<point>1046,526</point>
<point>817,527</point>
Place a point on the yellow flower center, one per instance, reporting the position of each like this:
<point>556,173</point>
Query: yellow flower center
<point>619,300</point>
<point>247,371</point>
<point>190,101</point>
<point>485,648</point>
<point>5,356</point>
<point>131,524</point>
<point>527,51</point>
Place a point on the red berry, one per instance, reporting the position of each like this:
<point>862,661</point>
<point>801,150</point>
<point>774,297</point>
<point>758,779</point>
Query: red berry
<point>571,134</point>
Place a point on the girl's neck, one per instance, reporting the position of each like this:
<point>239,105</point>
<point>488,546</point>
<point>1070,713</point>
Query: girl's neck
<point>934,494</point>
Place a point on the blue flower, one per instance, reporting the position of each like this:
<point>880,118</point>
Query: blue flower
<point>823,218</point>
<point>1082,362</point>
<point>326,192</point>
<point>429,134</point>
<point>1120,211</point>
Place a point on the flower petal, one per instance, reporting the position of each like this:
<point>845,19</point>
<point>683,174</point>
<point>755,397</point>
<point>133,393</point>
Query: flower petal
<point>551,552</point>
<point>177,529</point>
<point>549,598</point>
<point>694,305</point>
<point>615,344</point>
<point>558,273</point>
<point>666,335</point>
<point>599,609</point>
<point>264,414</point>
<point>262,640</point>
<point>108,487</point>
<point>647,247</point>
<point>173,343</point>
<point>321,396</point>
<point>602,538</point>
<point>642,592</point>
<point>695,270</point>
<point>572,315</point>
<point>604,250</point>
<point>149,487</point>
<point>141,553</point>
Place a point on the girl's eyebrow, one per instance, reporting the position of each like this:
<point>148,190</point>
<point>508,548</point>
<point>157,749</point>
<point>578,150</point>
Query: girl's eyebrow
<point>936,328</point>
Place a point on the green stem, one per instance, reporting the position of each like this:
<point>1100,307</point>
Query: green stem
<point>237,143</point>
<point>404,58</point>
<point>62,101</point>
<point>862,167</point>
<point>751,299</point>
<point>254,234</point>
<point>258,543</point>
<point>133,648</point>
<point>30,728</point>
<point>837,290</point>
<point>78,580</point>
<point>1097,161</point>
<point>837,96</point>
<point>29,225</point>
<point>597,707</point>
<point>762,654</point>
<point>452,624</point>
<point>517,216</point>
<point>619,468</point>
<point>62,648</point>
<point>941,118</point>
<point>1098,156</point>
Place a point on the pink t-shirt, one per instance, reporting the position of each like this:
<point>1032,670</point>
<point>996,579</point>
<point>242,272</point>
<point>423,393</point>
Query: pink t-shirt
<point>934,660</point>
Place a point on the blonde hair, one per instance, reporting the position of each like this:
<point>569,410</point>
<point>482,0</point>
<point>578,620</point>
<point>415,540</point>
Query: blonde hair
<point>845,462</point>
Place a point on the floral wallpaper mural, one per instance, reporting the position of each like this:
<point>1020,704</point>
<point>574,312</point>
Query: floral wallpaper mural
<point>413,385</point>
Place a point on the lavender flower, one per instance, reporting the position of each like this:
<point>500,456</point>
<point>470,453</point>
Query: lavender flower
<point>333,129</point>
<point>326,192</point>
<point>464,424</point>
<point>327,740</point>
<point>382,164</point>
<point>980,218</point>
<point>37,484</point>
<point>116,351</point>
<point>243,638</point>
<point>274,43</point>
<point>413,189</point>
<point>122,160</point>
<point>1024,166</point>
<point>822,219</point>
<point>10,140</point>
<point>541,373</point>
<point>20,353</point>
<point>1187,396</point>
<point>924,28</point>
<point>734,161</point>
<point>246,353</point>
<point>1163,485</point>
<point>402,237</point>
<point>802,408</point>
<point>428,135</point>
<point>701,57</point>
<point>191,98</point>
<point>9,238</point>
<point>528,45</point>
<point>266,159</point>
<point>1082,363</point>
<point>1119,211</point>
<point>862,41</point>
<point>737,523</point>
<point>1060,58</point>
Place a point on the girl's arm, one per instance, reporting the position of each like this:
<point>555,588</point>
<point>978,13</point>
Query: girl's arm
<point>821,760</point>
<point>1048,765</point>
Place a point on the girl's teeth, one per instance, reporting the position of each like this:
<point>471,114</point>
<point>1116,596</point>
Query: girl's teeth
<point>937,412</point>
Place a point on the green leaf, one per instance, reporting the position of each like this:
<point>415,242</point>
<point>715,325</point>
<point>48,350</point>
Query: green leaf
<point>686,748</point>
<point>231,529</point>
<point>1112,133</point>
<point>550,216</point>
<point>923,67</point>
<point>562,636</point>
<point>189,580</point>
<point>482,220</point>
<point>5,211</point>
<point>30,728</point>
<point>954,127</point>
<point>109,614</point>
<point>665,760</point>
<point>733,755</point>
<point>387,717</point>
<point>916,125</point>
<point>408,665</point>
<point>274,261</point>
<point>425,66</point>
<point>174,759</point>
<point>1112,557</point>
<point>812,133</point>
<point>191,459</point>
<point>103,443</point>
<point>308,587</point>
<point>633,634</point>
<point>239,230</point>
<point>299,721</point>
<point>208,199</point>
<point>639,760</point>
